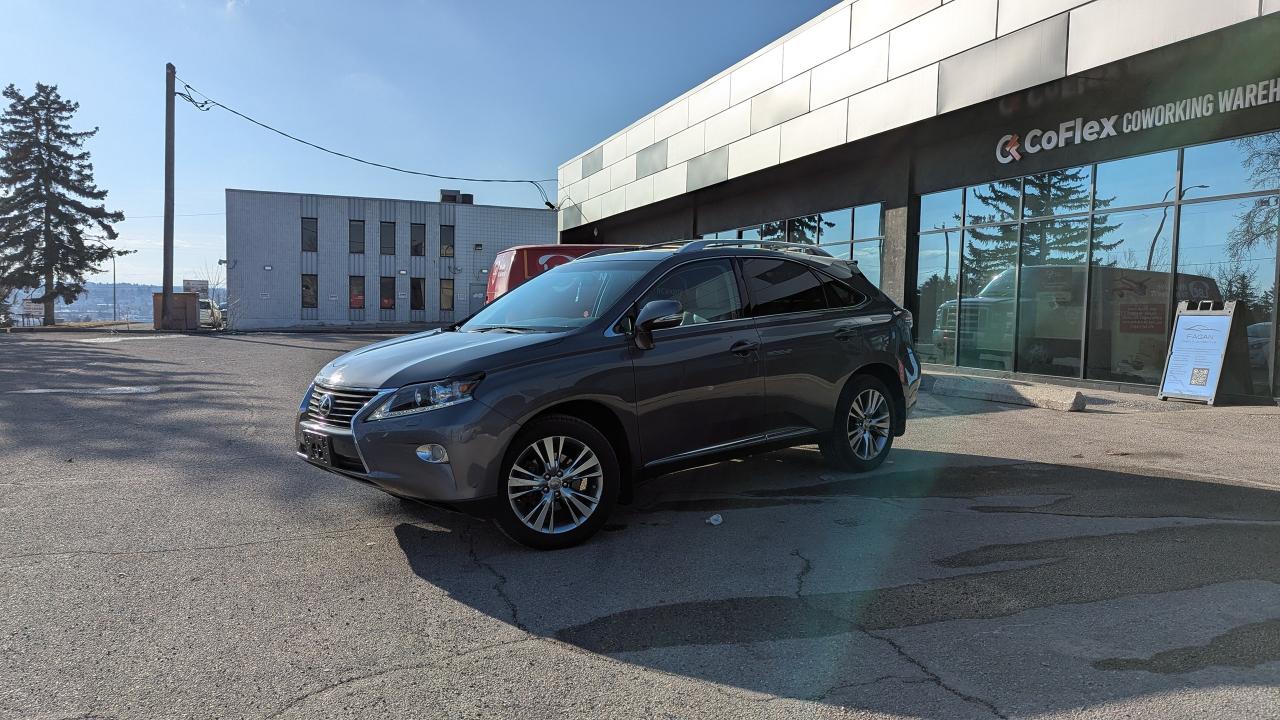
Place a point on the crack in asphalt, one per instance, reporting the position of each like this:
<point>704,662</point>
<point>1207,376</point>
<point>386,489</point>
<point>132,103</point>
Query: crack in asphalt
<point>395,669</point>
<point>500,580</point>
<point>934,678</point>
<point>805,568</point>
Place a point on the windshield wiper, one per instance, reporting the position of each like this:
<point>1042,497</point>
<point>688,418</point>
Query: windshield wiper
<point>505,328</point>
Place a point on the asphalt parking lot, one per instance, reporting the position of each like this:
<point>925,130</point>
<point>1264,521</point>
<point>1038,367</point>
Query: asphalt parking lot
<point>163,554</point>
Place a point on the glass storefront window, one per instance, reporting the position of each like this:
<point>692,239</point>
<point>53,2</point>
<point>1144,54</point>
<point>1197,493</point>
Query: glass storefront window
<point>775,230</point>
<point>1025,260</point>
<point>1061,192</point>
<point>750,233</point>
<point>1051,296</point>
<point>993,202</point>
<point>936,276</point>
<point>836,226</point>
<point>868,254</point>
<point>804,229</point>
<point>941,210</point>
<point>1143,180</point>
<point>1227,251</point>
<point>1235,166</point>
<point>1129,302</point>
<point>988,282</point>
<point>866,221</point>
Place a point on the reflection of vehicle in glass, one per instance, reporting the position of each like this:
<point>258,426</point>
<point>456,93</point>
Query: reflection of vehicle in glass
<point>1128,321</point>
<point>1259,335</point>
<point>515,266</point>
<point>545,406</point>
<point>210,314</point>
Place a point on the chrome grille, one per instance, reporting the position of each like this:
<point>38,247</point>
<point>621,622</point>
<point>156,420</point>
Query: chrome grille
<point>346,403</point>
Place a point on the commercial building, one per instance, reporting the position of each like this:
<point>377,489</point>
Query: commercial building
<point>311,260</point>
<point>1038,181</point>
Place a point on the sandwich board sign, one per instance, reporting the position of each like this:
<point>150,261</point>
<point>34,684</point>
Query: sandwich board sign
<point>1198,353</point>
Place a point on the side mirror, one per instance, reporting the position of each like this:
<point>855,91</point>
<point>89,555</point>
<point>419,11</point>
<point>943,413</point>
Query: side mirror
<point>656,315</point>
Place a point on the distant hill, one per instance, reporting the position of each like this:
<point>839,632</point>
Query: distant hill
<point>133,299</point>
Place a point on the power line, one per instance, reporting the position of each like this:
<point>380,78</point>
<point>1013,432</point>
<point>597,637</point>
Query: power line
<point>208,102</point>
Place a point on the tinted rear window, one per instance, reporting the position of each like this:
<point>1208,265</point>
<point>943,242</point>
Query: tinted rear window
<point>782,286</point>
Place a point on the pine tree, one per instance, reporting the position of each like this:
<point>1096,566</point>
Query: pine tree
<point>48,199</point>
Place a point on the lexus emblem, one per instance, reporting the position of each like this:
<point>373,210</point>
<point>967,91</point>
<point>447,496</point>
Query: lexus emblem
<point>326,405</point>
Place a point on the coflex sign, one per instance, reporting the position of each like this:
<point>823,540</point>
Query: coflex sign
<point>1014,146</point>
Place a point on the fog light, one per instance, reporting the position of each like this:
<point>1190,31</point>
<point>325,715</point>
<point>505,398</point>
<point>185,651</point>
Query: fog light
<point>432,453</point>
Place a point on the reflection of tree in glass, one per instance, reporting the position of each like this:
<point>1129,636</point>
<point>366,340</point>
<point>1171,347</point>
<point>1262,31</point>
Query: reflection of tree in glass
<point>1238,281</point>
<point>1257,225</point>
<point>804,229</point>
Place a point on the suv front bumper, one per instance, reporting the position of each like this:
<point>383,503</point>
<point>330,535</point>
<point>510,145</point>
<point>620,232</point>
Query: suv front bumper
<point>384,453</point>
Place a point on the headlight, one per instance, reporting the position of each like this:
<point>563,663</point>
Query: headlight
<point>422,397</point>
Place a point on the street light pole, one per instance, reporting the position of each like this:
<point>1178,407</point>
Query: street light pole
<point>1151,253</point>
<point>113,286</point>
<point>166,292</point>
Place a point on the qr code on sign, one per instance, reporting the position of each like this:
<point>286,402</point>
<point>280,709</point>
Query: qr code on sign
<point>1199,376</point>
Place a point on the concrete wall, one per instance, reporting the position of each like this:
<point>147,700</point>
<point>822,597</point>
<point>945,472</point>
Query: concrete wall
<point>862,68</point>
<point>265,229</point>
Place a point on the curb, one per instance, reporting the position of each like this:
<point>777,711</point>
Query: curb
<point>1050,397</point>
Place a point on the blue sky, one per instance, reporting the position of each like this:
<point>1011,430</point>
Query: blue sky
<point>490,89</point>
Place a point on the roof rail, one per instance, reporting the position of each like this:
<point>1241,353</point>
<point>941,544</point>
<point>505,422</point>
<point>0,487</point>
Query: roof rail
<point>696,245</point>
<point>629,248</point>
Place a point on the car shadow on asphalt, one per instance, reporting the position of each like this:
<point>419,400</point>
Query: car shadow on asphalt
<point>797,570</point>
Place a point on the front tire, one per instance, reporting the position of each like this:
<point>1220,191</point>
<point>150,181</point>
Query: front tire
<point>862,435</point>
<point>560,480</point>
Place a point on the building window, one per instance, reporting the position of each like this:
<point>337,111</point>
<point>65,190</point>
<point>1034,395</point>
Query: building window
<point>446,294</point>
<point>355,292</point>
<point>446,241</point>
<point>310,235</point>
<point>310,293</point>
<point>355,237</point>
<point>417,239</point>
<point>387,293</point>
<point>387,238</point>
<point>417,293</point>
<point>1074,272</point>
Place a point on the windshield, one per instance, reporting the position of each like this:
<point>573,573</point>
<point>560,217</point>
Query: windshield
<point>563,298</point>
<point>1000,286</point>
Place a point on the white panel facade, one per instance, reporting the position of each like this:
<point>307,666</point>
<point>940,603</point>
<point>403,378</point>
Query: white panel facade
<point>821,129</point>
<point>1017,15</point>
<point>852,72</point>
<point>671,120</point>
<point>1107,30</point>
<point>898,102</point>
<point>686,144</point>
<point>730,125</point>
<point>825,40</point>
<point>756,76</point>
<point>1030,56</point>
<point>952,28</point>
<point>709,100</point>
<point>756,152</point>
<point>876,17</point>
<point>883,64</point>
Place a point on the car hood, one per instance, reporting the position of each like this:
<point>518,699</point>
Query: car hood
<point>431,355</point>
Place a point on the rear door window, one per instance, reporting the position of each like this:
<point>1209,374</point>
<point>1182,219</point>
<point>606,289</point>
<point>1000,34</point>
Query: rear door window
<point>839,295</point>
<point>782,286</point>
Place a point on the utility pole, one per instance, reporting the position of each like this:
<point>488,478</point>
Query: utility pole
<point>166,297</point>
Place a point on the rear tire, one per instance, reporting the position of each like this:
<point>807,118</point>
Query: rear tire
<point>862,432</point>
<point>559,482</point>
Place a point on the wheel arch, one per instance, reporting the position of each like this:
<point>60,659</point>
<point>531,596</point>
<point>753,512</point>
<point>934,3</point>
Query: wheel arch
<point>889,376</point>
<point>607,421</point>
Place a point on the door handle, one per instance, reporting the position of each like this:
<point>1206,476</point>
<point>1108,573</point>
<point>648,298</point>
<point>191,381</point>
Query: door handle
<point>744,347</point>
<point>845,334</point>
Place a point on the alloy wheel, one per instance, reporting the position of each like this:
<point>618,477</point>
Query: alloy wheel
<point>868,425</point>
<point>555,484</point>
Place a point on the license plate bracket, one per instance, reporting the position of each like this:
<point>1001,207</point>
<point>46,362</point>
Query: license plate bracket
<point>317,447</point>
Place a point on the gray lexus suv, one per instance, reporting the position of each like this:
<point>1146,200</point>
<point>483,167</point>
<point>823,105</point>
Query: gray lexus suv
<point>544,408</point>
